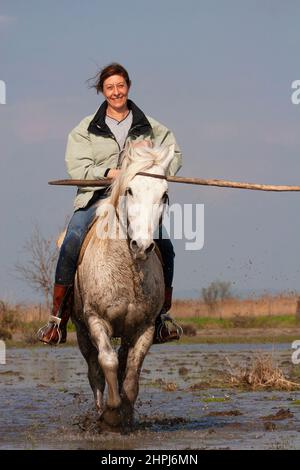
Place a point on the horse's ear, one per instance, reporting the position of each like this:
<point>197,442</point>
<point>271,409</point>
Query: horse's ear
<point>168,155</point>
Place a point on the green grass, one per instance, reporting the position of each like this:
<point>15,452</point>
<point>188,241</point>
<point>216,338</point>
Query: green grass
<point>264,321</point>
<point>235,339</point>
<point>226,333</point>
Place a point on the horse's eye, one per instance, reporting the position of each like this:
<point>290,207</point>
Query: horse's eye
<point>128,191</point>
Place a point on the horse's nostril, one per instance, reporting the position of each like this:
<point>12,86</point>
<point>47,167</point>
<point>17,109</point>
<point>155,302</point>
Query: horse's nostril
<point>150,248</point>
<point>133,245</point>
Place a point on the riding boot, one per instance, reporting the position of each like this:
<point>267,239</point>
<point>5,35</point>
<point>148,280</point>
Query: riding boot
<point>55,331</point>
<point>163,333</point>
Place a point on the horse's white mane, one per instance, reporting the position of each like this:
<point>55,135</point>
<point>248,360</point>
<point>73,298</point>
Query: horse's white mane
<point>135,159</point>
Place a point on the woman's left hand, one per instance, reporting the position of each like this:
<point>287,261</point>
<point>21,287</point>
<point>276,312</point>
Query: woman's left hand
<point>142,143</point>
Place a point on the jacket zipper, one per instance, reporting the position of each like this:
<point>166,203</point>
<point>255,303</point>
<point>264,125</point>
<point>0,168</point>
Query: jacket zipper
<point>113,137</point>
<point>110,135</point>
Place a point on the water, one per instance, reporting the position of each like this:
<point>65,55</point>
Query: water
<point>184,403</point>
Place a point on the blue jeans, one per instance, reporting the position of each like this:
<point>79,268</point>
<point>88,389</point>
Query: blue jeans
<point>76,232</point>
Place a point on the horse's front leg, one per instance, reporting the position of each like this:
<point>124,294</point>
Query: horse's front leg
<point>135,359</point>
<point>107,358</point>
<point>95,374</point>
<point>122,357</point>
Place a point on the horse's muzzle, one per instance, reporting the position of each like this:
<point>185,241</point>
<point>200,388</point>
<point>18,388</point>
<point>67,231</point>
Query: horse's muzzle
<point>141,250</point>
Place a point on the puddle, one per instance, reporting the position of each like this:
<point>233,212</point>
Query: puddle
<point>46,402</point>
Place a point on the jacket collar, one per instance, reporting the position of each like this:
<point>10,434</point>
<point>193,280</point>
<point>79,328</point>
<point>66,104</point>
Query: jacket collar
<point>140,124</point>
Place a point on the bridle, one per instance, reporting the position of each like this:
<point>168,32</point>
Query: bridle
<point>120,220</point>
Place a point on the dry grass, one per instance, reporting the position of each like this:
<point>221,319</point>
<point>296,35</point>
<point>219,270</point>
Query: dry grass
<point>260,374</point>
<point>22,313</point>
<point>170,387</point>
<point>183,308</point>
<point>285,304</point>
<point>21,321</point>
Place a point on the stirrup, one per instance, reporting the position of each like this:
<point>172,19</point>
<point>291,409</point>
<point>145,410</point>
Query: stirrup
<point>53,323</point>
<point>164,317</point>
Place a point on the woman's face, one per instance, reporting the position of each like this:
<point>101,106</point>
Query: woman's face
<point>115,91</point>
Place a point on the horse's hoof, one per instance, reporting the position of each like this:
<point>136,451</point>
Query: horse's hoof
<point>112,417</point>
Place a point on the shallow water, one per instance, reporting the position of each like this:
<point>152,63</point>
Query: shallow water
<point>184,403</point>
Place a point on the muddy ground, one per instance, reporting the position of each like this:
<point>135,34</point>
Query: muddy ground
<point>185,401</point>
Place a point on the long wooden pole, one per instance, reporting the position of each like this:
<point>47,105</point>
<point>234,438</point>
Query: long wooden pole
<point>181,179</point>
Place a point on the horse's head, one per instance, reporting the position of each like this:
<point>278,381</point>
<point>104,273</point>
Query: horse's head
<point>145,197</point>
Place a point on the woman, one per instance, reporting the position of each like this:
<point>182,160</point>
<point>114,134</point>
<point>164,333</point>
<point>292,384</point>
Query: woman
<point>93,151</point>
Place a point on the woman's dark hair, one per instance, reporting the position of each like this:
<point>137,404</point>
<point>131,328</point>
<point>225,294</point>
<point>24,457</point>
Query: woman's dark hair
<point>112,69</point>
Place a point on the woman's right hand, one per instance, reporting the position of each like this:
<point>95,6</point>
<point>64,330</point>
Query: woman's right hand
<point>113,173</point>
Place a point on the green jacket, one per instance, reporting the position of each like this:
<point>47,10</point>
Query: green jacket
<point>92,148</point>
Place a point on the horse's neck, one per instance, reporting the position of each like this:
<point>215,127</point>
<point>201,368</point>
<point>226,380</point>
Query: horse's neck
<point>109,225</point>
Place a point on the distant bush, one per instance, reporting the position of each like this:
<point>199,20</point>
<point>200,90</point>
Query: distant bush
<point>189,329</point>
<point>30,337</point>
<point>3,307</point>
<point>239,321</point>
<point>38,265</point>
<point>5,333</point>
<point>215,292</point>
<point>10,320</point>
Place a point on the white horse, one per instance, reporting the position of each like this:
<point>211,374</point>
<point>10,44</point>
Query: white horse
<point>119,284</point>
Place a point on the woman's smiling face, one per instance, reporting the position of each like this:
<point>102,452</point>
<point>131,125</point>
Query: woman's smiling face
<point>115,91</point>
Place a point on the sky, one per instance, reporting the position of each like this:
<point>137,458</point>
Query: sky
<point>217,73</point>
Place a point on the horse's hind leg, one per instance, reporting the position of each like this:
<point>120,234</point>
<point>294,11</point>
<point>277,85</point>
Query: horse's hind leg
<point>107,358</point>
<point>130,388</point>
<point>95,374</point>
